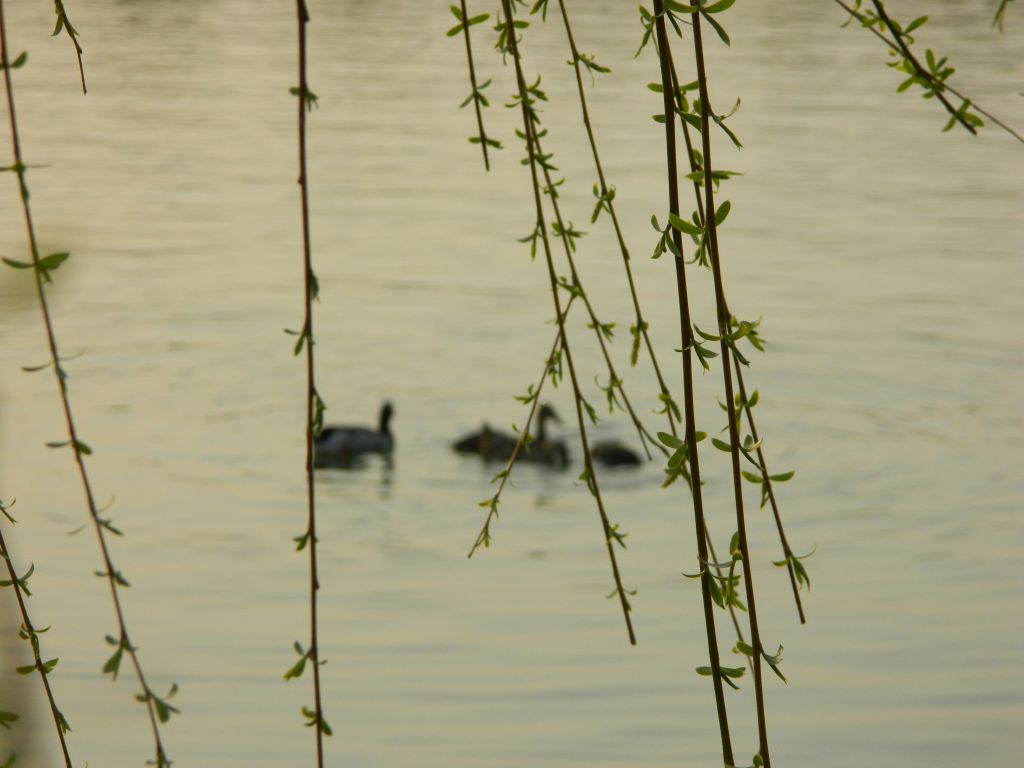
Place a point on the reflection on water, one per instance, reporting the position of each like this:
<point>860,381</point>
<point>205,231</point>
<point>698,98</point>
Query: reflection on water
<point>882,254</point>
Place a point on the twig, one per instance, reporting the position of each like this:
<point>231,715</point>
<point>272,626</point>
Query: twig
<point>568,246</point>
<point>607,197</point>
<point>483,538</point>
<point>723,330</point>
<point>610,533</point>
<point>686,333</point>
<point>739,377</point>
<point>112,575</point>
<point>472,80</point>
<point>305,100</point>
<point>766,479</point>
<point>923,73</point>
<point>63,22</point>
<point>29,633</point>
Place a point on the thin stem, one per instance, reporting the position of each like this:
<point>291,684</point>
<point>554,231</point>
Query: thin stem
<point>472,80</point>
<point>724,330</point>
<point>64,22</point>
<point>110,573</point>
<point>483,538</point>
<point>925,74</point>
<point>921,71</point>
<point>616,382</point>
<point>311,394</point>
<point>31,635</point>
<point>739,377</point>
<point>766,479</point>
<point>641,324</point>
<point>686,333</point>
<point>531,138</point>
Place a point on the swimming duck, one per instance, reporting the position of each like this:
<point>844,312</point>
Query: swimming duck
<point>612,453</point>
<point>487,443</point>
<point>341,445</point>
<point>493,445</point>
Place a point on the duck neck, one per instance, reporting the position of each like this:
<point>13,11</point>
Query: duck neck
<point>541,421</point>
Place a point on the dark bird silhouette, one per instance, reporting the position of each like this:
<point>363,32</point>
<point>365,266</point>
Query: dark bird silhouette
<point>494,445</point>
<point>340,446</point>
<point>612,453</point>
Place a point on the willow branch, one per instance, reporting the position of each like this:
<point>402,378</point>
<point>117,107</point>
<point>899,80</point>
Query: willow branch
<point>686,334</point>
<point>78,447</point>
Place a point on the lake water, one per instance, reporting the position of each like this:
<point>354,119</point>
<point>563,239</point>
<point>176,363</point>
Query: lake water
<point>883,255</point>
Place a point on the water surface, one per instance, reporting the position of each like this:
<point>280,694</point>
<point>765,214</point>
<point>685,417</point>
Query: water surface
<point>882,254</point>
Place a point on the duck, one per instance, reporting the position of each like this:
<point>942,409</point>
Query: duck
<point>612,453</point>
<point>488,443</point>
<point>340,446</point>
<point>494,445</point>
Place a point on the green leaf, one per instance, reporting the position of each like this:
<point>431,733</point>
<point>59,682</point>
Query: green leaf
<point>722,212</point>
<point>6,718</point>
<point>801,573</point>
<point>53,261</point>
<point>677,458</point>
<point>672,5</point>
<point>17,264</point>
<point>113,664</point>
<point>670,440</point>
<point>721,445</point>
<point>708,336</point>
<point>716,595</point>
<point>733,672</point>
<point>743,648</point>
<point>722,34</point>
<point>684,226</point>
<point>692,120</point>
<point>718,7</point>
<point>783,477</point>
<point>163,709</point>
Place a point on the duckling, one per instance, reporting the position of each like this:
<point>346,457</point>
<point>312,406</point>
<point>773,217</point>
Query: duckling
<point>341,445</point>
<point>487,443</point>
<point>612,453</point>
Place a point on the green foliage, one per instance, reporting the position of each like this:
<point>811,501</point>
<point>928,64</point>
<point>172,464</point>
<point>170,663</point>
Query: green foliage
<point>313,718</point>
<point>463,22</point>
<point>160,706</point>
<point>309,99</point>
<point>799,569</point>
<point>22,582</point>
<point>18,62</point>
<point>930,77</point>
<point>1000,16</point>
<point>44,266</point>
<point>113,664</point>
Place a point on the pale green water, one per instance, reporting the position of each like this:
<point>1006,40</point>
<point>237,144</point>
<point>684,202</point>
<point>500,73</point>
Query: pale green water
<point>883,255</point>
